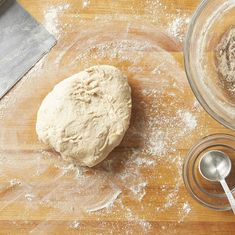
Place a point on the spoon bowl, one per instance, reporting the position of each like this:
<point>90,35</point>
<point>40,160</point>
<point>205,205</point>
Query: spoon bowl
<point>215,166</point>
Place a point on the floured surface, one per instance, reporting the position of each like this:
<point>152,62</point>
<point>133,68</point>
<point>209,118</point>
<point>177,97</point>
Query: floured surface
<point>138,189</point>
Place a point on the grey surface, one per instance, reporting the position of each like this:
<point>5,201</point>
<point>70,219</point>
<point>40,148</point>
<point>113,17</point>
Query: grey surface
<point>23,41</point>
<point>1,2</point>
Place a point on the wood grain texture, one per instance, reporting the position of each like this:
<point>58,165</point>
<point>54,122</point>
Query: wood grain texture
<point>70,22</point>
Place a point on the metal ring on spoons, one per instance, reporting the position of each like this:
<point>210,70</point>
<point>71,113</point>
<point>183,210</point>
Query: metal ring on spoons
<point>216,166</point>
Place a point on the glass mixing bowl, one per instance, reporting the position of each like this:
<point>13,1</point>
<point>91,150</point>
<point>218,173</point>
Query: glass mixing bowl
<point>211,20</point>
<point>209,194</point>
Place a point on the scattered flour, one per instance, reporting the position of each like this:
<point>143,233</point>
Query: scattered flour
<point>185,210</point>
<point>75,224</point>
<point>177,27</point>
<point>85,3</point>
<point>145,225</point>
<point>189,119</point>
<point>29,196</point>
<point>51,18</point>
<point>14,182</point>
<point>139,190</point>
<point>141,161</point>
<point>177,21</point>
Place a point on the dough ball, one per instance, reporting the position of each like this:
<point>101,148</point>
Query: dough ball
<point>86,116</point>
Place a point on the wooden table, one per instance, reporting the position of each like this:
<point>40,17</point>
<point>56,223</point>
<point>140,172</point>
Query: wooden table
<point>39,195</point>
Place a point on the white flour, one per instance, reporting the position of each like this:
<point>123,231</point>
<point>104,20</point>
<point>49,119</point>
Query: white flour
<point>177,21</point>
<point>51,21</point>
<point>178,25</point>
<point>75,224</point>
<point>29,196</point>
<point>139,190</point>
<point>85,3</point>
<point>163,120</point>
<point>184,211</point>
<point>189,120</point>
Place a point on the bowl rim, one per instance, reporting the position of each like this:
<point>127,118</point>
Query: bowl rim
<point>186,161</point>
<point>192,84</point>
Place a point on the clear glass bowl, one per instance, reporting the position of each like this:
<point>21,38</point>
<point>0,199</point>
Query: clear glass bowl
<point>210,21</point>
<point>209,194</point>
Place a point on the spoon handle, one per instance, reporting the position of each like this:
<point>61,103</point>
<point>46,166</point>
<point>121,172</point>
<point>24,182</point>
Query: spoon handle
<point>228,194</point>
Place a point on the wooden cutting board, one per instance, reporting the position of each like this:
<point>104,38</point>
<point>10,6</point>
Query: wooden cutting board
<point>40,195</point>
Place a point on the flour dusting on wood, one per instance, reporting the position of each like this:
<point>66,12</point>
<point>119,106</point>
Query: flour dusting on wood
<point>162,120</point>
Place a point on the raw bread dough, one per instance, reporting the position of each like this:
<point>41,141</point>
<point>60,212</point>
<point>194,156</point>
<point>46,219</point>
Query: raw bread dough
<point>86,116</point>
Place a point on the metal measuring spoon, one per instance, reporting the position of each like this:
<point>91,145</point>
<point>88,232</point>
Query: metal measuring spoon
<point>216,166</point>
